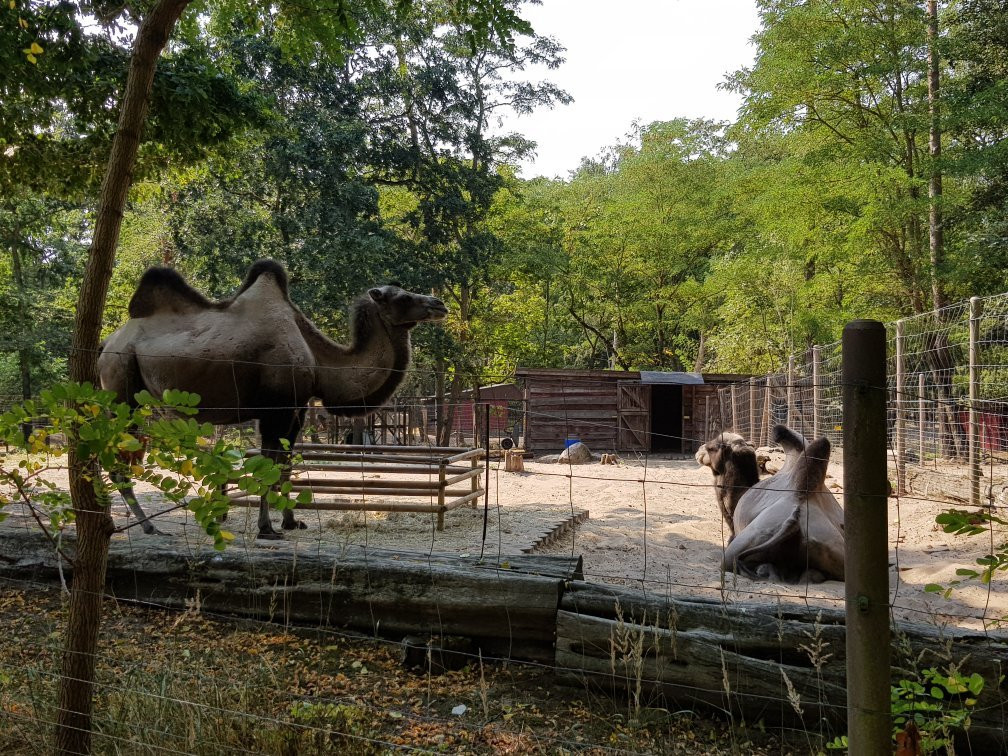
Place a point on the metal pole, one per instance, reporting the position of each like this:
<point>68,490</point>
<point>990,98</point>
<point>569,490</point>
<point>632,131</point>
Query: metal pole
<point>734,410</point>
<point>976,310</point>
<point>790,392</point>
<point>900,429</point>
<point>486,480</point>
<point>767,413</point>
<point>869,721</point>
<point>921,409</point>
<point>816,390</point>
<point>753,432</point>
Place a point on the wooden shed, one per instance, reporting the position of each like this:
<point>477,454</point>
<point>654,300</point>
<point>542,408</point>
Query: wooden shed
<point>618,410</point>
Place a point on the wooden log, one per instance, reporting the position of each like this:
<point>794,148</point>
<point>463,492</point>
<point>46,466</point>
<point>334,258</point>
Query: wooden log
<point>346,505</point>
<point>317,482</point>
<point>473,474</point>
<point>369,467</point>
<point>507,605</point>
<point>473,496</point>
<point>689,648</point>
<point>514,460</point>
<point>383,449</point>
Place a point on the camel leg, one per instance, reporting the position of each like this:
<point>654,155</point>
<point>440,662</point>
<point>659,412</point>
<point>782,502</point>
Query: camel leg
<point>126,489</point>
<point>223,492</point>
<point>272,449</point>
<point>757,548</point>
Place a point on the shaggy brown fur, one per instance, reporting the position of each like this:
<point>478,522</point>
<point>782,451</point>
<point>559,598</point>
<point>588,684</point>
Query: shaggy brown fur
<point>733,462</point>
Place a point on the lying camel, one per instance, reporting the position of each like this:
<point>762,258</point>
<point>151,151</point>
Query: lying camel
<point>789,527</point>
<point>734,464</point>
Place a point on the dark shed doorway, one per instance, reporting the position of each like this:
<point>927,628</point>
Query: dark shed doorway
<point>666,418</point>
<point>669,412</point>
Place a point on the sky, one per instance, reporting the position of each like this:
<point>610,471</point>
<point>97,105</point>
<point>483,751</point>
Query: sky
<point>645,60</point>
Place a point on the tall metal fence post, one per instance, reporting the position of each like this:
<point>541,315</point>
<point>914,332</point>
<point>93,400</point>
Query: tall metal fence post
<point>921,411</point>
<point>767,413</point>
<point>869,721</point>
<point>790,392</point>
<point>900,429</point>
<point>816,390</point>
<point>753,429</point>
<point>975,312</point>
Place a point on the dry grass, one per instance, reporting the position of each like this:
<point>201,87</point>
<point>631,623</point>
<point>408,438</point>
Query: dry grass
<point>183,682</point>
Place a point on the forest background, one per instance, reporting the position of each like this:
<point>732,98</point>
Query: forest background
<point>866,176</point>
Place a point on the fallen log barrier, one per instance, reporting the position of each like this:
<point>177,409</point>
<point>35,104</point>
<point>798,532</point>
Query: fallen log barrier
<point>781,663</point>
<point>776,663</point>
<point>384,478</point>
<point>506,604</point>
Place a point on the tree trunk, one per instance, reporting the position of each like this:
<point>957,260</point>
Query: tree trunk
<point>94,524</point>
<point>701,353</point>
<point>936,231</point>
<point>24,351</point>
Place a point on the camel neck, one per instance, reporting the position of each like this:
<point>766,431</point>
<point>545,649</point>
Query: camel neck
<point>355,380</point>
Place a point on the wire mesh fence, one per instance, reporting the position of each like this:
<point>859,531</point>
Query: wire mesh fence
<point>948,400</point>
<point>650,611</point>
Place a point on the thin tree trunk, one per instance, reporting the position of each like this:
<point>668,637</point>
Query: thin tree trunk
<point>24,352</point>
<point>936,231</point>
<point>701,353</point>
<point>94,524</point>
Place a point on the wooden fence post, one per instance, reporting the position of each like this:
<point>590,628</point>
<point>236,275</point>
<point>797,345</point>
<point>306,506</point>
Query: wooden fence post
<point>790,392</point>
<point>816,391</point>
<point>900,430</point>
<point>767,414</point>
<point>753,430</point>
<point>442,474</point>
<point>869,719</point>
<point>975,312</point>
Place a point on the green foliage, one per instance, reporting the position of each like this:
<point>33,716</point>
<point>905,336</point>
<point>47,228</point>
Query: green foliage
<point>183,461</point>
<point>961,522</point>
<point>936,704</point>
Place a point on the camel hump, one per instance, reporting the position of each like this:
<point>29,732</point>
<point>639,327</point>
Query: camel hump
<point>788,439</point>
<point>265,267</point>
<point>164,289</point>
<point>811,473</point>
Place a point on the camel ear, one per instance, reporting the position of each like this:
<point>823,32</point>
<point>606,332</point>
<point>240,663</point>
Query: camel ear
<point>376,294</point>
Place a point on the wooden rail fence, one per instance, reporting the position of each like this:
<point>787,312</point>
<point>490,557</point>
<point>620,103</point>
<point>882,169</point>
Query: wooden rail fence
<point>379,477</point>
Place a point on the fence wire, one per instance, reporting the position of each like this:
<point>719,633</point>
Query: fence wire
<point>653,529</point>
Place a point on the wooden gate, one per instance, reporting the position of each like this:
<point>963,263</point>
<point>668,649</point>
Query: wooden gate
<point>633,408</point>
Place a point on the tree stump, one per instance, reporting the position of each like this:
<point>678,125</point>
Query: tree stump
<point>514,460</point>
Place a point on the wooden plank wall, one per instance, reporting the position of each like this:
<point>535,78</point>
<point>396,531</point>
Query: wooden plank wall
<point>571,406</point>
<point>697,427</point>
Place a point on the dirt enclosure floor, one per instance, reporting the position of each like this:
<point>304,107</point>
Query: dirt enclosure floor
<point>651,524</point>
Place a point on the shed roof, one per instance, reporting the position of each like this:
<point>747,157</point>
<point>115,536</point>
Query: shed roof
<point>677,379</point>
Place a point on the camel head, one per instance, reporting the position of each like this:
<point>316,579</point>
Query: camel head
<point>405,309</point>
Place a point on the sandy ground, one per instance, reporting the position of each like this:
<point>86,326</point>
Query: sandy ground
<point>652,524</point>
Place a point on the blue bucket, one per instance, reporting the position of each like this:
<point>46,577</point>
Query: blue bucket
<point>570,442</point>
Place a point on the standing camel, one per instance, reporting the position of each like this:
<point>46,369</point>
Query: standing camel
<point>257,357</point>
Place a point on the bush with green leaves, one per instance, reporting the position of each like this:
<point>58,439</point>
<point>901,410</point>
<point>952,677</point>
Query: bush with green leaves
<point>961,522</point>
<point>937,705</point>
<point>183,460</point>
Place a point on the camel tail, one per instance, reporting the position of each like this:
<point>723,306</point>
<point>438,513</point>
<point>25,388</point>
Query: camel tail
<point>788,439</point>
<point>811,473</point>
